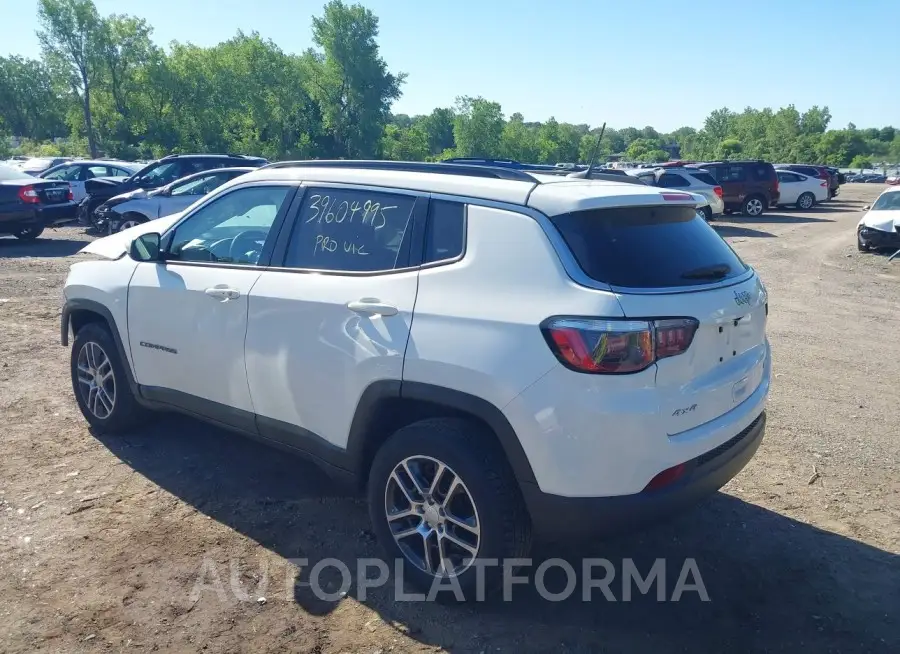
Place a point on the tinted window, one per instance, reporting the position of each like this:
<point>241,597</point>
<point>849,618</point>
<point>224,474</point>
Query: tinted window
<point>704,177</point>
<point>788,178</point>
<point>351,230</point>
<point>200,185</point>
<point>671,180</point>
<point>731,174</point>
<point>445,233</point>
<point>233,228</point>
<point>762,172</point>
<point>648,247</point>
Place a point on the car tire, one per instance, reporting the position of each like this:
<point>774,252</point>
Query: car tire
<point>806,201</point>
<point>29,233</point>
<point>100,382</point>
<point>707,213</point>
<point>130,220</point>
<point>753,206</point>
<point>486,499</point>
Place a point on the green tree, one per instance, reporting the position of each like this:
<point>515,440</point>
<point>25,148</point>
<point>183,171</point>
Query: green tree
<point>518,141</point>
<point>860,161</point>
<point>477,127</point>
<point>730,147</point>
<point>29,105</point>
<point>438,127</point>
<point>69,34</point>
<point>349,79</point>
<point>405,144</point>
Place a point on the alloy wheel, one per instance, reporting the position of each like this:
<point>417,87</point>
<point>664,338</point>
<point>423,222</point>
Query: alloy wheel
<point>806,202</point>
<point>754,206</point>
<point>432,516</point>
<point>96,380</point>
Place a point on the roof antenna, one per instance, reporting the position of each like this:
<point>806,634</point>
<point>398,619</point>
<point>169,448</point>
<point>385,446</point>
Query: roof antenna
<point>586,174</point>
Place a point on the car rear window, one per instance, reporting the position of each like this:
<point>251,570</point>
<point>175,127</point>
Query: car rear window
<point>648,247</point>
<point>705,177</point>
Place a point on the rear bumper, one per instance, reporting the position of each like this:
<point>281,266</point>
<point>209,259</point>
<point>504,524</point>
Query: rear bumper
<point>554,516</point>
<point>43,215</point>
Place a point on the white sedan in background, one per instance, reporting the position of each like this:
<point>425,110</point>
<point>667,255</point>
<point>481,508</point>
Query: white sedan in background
<point>78,172</point>
<point>801,190</point>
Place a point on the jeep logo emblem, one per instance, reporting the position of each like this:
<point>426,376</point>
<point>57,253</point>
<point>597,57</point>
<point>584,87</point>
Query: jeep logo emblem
<point>742,297</point>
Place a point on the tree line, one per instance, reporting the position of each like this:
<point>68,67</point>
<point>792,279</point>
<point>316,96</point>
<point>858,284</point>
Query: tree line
<point>105,88</point>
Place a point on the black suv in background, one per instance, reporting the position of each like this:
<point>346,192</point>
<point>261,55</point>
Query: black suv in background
<point>750,187</point>
<point>158,173</point>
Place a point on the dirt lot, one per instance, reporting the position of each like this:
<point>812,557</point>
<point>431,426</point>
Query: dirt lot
<point>103,539</point>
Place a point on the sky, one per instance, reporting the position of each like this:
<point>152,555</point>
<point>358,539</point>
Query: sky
<point>634,63</point>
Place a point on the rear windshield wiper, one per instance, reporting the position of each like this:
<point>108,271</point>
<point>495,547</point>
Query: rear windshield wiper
<point>714,272</point>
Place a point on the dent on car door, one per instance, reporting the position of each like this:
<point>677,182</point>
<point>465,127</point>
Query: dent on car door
<point>187,314</point>
<point>335,317</point>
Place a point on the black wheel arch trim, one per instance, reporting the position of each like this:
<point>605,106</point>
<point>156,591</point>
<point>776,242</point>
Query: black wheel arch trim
<point>81,304</point>
<point>457,401</point>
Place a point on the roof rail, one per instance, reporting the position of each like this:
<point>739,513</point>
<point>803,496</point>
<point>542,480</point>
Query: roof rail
<point>494,172</point>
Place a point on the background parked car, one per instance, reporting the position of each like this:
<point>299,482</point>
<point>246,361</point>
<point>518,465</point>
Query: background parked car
<point>822,172</point>
<point>801,190</point>
<point>154,175</point>
<point>880,226</point>
<point>28,204</point>
<point>76,173</point>
<point>36,165</point>
<point>687,178</point>
<point>136,207</point>
<point>750,187</point>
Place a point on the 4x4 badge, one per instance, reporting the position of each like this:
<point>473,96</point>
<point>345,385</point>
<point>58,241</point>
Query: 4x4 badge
<point>742,297</point>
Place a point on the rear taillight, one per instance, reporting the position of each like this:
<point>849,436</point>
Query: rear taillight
<point>69,195</point>
<point>823,184</point>
<point>604,346</point>
<point>28,195</point>
<point>717,190</point>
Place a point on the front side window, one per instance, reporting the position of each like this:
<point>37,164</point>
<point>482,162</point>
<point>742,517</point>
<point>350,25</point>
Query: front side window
<point>351,230</point>
<point>233,228</point>
<point>161,173</point>
<point>200,186</point>
<point>731,174</point>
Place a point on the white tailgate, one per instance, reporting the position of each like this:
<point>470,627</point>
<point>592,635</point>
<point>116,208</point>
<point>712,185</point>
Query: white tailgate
<point>726,359</point>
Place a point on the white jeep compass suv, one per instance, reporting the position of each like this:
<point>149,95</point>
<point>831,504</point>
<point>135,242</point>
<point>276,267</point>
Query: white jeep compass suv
<point>491,354</point>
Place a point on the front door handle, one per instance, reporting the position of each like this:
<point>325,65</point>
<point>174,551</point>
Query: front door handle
<point>223,293</point>
<point>372,306</point>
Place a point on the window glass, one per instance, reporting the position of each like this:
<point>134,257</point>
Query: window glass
<point>647,247</point>
<point>351,230</point>
<point>788,178</point>
<point>119,172</point>
<point>96,171</point>
<point>887,202</point>
<point>445,234</point>
<point>672,180</point>
<point>66,174</point>
<point>232,228</point>
<point>704,177</point>
<point>162,173</point>
<point>761,172</point>
<point>199,186</point>
<point>731,174</point>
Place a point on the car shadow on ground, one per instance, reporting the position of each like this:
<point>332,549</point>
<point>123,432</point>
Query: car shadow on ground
<point>737,231</point>
<point>773,583</point>
<point>779,218</point>
<point>11,247</point>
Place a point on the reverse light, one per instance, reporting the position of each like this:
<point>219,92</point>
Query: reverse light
<point>28,195</point>
<point>603,346</point>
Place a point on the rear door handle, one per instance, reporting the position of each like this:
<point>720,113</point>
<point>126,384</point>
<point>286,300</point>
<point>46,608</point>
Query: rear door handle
<point>223,293</point>
<point>372,306</point>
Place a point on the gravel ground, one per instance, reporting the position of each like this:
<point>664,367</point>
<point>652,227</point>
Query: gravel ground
<point>103,540</point>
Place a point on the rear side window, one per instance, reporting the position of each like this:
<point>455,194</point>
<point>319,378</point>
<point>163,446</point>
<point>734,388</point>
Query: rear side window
<point>704,177</point>
<point>648,247</point>
<point>445,234</point>
<point>731,174</point>
<point>763,172</point>
<point>351,230</point>
<point>672,180</point>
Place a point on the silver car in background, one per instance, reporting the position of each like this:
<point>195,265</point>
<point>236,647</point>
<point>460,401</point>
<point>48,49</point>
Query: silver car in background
<point>686,178</point>
<point>140,206</point>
